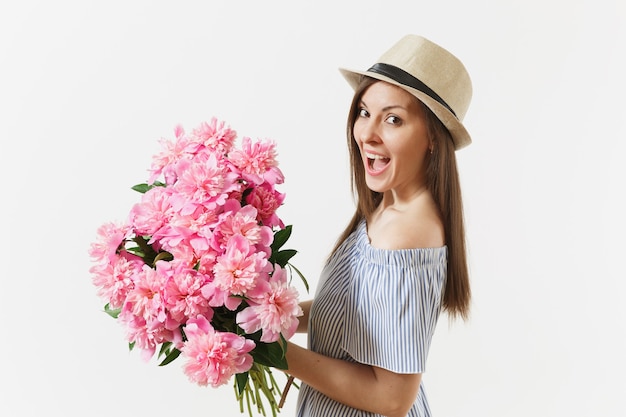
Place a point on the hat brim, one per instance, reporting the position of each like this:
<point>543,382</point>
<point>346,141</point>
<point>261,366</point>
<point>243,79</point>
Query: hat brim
<point>460,136</point>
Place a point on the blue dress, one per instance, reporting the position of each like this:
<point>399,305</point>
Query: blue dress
<point>378,307</point>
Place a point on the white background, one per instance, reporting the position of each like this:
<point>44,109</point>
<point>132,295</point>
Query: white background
<point>87,88</point>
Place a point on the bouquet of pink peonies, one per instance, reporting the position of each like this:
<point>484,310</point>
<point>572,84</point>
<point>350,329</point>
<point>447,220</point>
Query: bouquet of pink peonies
<point>199,268</point>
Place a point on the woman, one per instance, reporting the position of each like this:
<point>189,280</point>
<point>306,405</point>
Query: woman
<point>402,258</point>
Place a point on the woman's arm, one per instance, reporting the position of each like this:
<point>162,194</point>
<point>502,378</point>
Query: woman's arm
<point>303,321</point>
<point>356,385</point>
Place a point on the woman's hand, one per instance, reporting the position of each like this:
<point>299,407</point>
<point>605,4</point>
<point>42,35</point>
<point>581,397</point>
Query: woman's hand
<point>354,384</point>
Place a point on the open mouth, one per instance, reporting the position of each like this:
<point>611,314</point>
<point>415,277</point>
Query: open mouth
<point>376,163</point>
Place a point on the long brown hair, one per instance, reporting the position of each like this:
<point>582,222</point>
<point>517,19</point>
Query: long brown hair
<point>443,183</point>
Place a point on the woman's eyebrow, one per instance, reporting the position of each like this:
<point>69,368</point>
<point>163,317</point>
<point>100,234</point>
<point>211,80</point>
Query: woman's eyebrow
<point>386,108</point>
<point>393,106</point>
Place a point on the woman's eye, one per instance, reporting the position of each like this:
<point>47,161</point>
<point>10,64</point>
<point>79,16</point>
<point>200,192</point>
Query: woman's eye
<point>394,120</point>
<point>363,113</point>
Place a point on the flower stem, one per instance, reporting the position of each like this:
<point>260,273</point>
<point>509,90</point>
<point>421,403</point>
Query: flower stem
<point>283,397</point>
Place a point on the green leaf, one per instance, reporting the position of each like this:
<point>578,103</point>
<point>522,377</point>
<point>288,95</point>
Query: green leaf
<point>244,196</point>
<point>280,238</point>
<point>113,312</point>
<point>143,188</point>
<point>165,349</point>
<point>304,281</point>
<point>150,256</point>
<point>148,251</point>
<point>282,257</point>
<point>163,256</point>
<point>269,354</point>
<point>241,380</point>
<point>135,250</point>
<point>170,357</point>
<point>283,344</point>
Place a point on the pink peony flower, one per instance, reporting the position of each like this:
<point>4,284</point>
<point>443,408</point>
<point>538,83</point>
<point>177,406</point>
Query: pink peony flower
<point>146,298</point>
<point>257,162</point>
<point>202,183</point>
<point>243,223</point>
<point>115,279</point>
<point>240,267</point>
<point>182,253</point>
<point>110,237</point>
<point>215,135</point>
<point>145,335</point>
<point>148,216</point>
<point>165,162</point>
<point>206,262</point>
<point>220,298</point>
<point>173,234</point>
<point>274,309</point>
<point>266,200</point>
<point>183,292</point>
<point>193,231</point>
<point>214,357</point>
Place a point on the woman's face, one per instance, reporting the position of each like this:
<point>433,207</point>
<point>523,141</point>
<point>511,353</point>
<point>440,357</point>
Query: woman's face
<point>391,133</point>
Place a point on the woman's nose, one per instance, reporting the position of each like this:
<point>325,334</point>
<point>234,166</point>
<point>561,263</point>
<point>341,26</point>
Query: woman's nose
<point>368,132</point>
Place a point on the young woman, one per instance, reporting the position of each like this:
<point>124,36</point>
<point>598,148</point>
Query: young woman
<point>401,260</point>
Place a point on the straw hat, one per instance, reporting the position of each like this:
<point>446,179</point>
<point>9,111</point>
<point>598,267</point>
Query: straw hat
<point>430,73</point>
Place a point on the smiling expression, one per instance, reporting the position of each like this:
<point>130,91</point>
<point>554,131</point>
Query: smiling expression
<point>392,135</point>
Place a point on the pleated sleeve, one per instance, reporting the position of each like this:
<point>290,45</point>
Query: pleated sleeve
<point>392,306</point>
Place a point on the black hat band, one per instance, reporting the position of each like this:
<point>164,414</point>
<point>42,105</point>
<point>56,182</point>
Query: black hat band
<point>403,77</point>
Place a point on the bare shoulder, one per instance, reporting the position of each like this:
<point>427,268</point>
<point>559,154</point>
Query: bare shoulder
<point>416,227</point>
